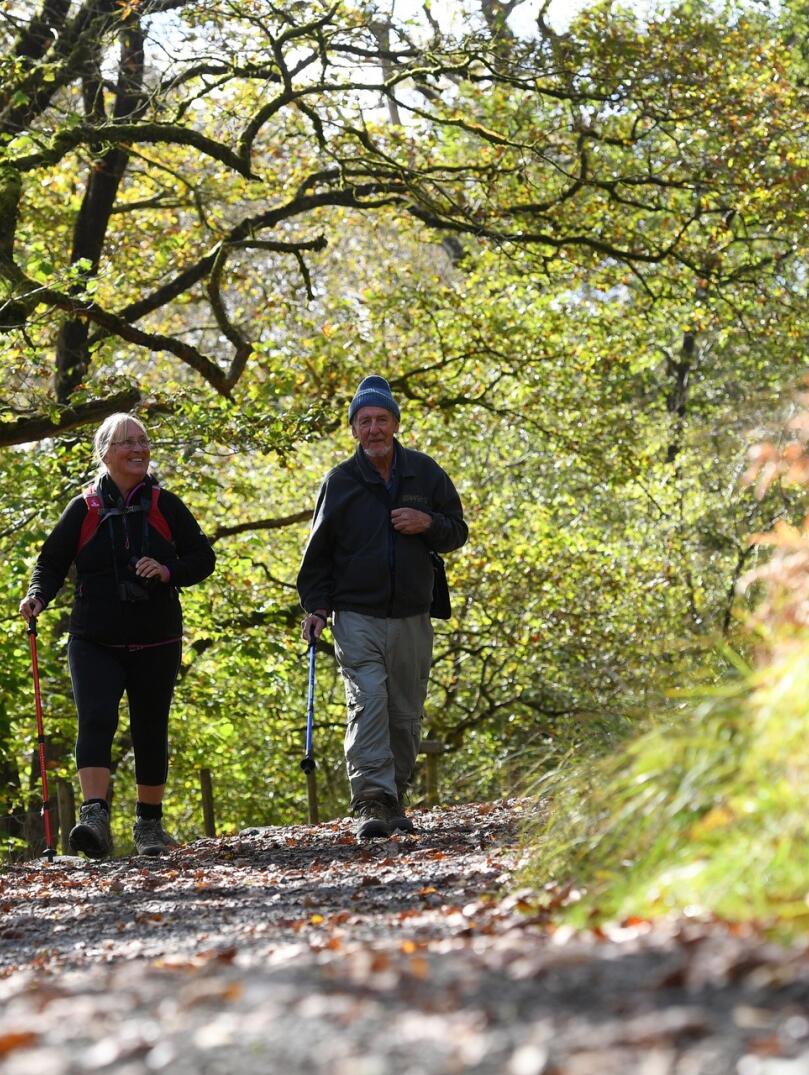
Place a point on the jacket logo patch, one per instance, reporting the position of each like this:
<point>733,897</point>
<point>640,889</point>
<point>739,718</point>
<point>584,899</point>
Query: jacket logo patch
<point>413,498</point>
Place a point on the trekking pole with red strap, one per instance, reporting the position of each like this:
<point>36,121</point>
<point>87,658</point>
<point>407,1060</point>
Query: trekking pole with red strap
<point>308,762</point>
<point>46,806</point>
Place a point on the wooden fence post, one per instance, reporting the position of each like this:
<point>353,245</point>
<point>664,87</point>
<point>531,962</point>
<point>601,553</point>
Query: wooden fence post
<point>66,803</point>
<point>311,795</point>
<point>206,787</point>
<point>432,748</point>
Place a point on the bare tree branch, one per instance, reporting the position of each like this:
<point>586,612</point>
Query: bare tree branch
<point>262,524</point>
<point>124,134</point>
<point>26,429</point>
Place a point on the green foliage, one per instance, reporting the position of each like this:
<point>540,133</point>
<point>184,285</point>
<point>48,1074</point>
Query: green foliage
<point>705,811</point>
<point>581,262</point>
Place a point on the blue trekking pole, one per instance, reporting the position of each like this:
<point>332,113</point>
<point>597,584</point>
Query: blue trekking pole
<point>308,761</point>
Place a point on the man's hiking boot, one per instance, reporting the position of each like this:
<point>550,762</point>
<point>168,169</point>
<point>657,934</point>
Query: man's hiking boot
<point>92,834</point>
<point>150,837</point>
<point>399,819</point>
<point>373,819</point>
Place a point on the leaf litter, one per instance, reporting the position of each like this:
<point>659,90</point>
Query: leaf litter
<point>298,950</point>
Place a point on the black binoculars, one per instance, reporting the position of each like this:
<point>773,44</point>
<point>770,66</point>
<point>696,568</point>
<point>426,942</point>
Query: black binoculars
<point>135,588</point>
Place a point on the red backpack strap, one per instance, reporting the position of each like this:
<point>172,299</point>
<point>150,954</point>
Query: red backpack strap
<point>92,519</point>
<point>95,513</point>
<point>156,518</point>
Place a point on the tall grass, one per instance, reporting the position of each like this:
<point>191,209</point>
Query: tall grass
<point>706,811</point>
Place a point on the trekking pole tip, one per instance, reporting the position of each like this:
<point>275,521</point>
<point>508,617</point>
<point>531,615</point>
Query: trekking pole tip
<point>48,854</point>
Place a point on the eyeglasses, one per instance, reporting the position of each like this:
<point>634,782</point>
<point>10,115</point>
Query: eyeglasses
<point>132,442</point>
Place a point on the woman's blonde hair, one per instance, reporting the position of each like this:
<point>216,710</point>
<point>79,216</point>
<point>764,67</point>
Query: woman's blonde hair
<point>110,430</point>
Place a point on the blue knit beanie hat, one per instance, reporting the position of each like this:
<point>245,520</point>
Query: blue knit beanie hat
<point>373,391</point>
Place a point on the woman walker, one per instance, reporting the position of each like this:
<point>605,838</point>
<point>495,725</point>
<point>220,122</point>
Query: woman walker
<point>134,546</point>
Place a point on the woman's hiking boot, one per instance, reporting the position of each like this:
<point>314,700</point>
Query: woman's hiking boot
<point>92,834</point>
<point>373,819</point>
<point>150,837</point>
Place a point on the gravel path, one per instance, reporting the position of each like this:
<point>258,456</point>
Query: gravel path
<point>297,950</point>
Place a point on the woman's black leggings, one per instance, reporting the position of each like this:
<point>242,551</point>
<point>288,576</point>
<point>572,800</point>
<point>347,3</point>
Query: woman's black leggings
<point>101,675</point>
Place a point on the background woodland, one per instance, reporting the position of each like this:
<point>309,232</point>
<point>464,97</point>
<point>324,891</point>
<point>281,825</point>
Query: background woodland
<point>580,258</point>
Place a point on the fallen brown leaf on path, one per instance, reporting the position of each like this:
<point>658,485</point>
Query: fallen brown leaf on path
<point>16,1040</point>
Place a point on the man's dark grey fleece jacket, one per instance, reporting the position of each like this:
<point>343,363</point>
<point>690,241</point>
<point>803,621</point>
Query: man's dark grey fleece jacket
<point>355,561</point>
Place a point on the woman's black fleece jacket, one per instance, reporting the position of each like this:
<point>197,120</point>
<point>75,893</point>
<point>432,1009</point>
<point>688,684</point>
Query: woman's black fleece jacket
<point>102,608</point>
<point>355,561</point>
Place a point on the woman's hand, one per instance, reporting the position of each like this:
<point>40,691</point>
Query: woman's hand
<point>30,607</point>
<point>147,568</point>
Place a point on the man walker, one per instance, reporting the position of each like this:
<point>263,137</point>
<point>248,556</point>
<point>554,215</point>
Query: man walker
<point>368,564</point>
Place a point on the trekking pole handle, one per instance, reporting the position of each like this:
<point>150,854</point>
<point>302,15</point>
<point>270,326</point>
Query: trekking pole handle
<point>32,626</point>
<point>308,763</point>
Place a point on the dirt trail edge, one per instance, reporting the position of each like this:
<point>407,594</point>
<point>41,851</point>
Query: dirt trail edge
<point>297,950</point>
